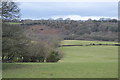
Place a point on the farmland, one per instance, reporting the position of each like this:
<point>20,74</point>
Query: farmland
<point>78,62</point>
<point>85,42</point>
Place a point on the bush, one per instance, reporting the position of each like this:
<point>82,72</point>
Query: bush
<point>55,56</point>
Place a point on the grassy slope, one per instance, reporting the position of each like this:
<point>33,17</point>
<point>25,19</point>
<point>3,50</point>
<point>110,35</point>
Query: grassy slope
<point>78,62</point>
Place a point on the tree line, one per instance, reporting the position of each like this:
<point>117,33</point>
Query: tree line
<point>82,30</point>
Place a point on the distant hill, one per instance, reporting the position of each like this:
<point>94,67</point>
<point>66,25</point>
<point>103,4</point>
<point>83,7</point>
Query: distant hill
<point>77,30</point>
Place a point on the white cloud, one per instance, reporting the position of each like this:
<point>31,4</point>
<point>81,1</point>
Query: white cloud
<point>72,17</point>
<point>78,17</point>
<point>65,0</point>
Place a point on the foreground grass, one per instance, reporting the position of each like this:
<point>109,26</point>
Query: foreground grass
<point>61,70</point>
<point>78,62</point>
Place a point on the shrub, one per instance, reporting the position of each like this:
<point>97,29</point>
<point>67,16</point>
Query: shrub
<point>55,56</point>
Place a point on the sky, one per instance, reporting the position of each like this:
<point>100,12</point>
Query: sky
<point>74,9</point>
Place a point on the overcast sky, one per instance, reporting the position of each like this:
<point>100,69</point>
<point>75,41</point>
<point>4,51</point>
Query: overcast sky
<point>74,10</point>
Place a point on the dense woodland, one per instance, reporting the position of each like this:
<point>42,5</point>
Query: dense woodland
<point>81,30</point>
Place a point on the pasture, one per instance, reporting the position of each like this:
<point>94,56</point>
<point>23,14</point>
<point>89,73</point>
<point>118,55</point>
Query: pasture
<point>78,62</point>
<point>85,42</point>
<point>14,23</point>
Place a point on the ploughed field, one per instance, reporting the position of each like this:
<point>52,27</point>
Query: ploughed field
<point>78,62</point>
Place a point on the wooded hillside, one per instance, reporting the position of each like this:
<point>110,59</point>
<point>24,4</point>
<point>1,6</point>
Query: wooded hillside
<point>81,30</point>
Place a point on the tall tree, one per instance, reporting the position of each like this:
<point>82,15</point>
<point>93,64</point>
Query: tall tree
<point>10,10</point>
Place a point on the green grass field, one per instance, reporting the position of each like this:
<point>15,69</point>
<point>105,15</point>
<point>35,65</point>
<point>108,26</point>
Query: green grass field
<point>14,23</point>
<point>78,62</point>
<point>84,42</point>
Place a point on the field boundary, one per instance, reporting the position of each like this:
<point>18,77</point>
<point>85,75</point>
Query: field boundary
<point>94,45</point>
